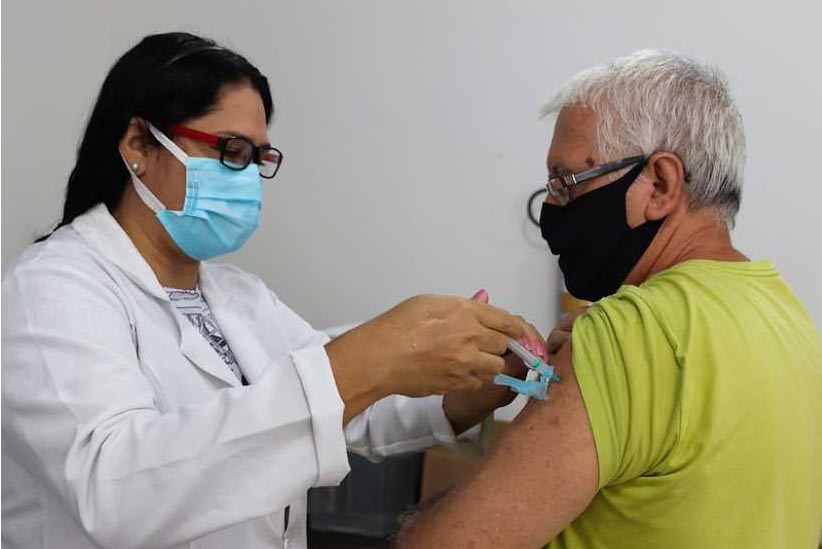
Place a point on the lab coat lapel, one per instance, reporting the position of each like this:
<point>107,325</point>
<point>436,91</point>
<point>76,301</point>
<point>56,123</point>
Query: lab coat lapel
<point>99,228</point>
<point>200,352</point>
<point>251,355</point>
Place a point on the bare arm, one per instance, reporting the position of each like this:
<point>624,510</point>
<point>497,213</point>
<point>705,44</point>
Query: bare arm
<point>540,477</point>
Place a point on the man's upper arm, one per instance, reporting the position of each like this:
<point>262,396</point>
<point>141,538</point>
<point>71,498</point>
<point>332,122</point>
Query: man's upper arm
<point>614,416</point>
<point>541,475</point>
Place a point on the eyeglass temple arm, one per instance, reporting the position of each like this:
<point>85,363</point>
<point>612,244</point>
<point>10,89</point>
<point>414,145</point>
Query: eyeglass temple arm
<point>574,179</point>
<point>185,131</point>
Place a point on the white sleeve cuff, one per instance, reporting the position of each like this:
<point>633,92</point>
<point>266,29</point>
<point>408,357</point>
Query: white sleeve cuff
<point>441,428</point>
<point>326,408</point>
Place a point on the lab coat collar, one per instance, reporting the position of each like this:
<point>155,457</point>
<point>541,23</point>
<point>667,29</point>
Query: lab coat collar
<point>99,228</point>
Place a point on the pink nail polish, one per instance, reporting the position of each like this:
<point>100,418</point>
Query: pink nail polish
<point>481,293</point>
<point>543,351</point>
<point>526,342</point>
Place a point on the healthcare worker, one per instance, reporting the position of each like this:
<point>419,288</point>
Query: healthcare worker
<point>150,399</point>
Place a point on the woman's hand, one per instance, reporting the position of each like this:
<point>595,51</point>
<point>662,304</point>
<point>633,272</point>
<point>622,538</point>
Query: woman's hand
<point>425,345</point>
<point>465,408</point>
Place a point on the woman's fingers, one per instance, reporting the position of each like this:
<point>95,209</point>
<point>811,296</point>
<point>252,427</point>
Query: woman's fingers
<point>533,341</point>
<point>486,366</point>
<point>490,341</point>
<point>500,320</point>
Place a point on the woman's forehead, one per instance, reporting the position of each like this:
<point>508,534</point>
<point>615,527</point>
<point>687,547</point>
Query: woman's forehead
<point>239,109</point>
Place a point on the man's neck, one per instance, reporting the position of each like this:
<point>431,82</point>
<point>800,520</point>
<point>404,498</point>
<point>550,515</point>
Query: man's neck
<point>685,235</point>
<point>171,266</point>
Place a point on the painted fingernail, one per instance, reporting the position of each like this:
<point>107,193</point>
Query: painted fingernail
<point>480,295</point>
<point>536,347</point>
<point>526,342</point>
<point>543,351</point>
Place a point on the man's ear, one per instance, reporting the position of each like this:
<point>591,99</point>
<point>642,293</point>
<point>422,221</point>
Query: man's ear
<point>667,175</point>
<point>134,145</point>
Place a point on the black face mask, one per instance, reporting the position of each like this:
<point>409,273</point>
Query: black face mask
<point>596,247</point>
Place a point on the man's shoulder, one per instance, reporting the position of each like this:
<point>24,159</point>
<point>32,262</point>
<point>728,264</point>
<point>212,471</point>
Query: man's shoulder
<point>635,321</point>
<point>634,307</point>
<point>689,292</point>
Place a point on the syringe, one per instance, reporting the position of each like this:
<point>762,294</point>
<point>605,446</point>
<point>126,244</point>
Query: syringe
<point>537,388</point>
<point>530,359</point>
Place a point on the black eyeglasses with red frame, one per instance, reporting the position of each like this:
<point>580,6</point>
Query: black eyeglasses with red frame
<point>236,153</point>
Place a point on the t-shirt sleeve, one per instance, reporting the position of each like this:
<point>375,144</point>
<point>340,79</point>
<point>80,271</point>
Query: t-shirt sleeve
<point>629,379</point>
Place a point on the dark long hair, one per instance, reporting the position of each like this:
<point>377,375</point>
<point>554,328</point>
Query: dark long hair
<point>166,79</point>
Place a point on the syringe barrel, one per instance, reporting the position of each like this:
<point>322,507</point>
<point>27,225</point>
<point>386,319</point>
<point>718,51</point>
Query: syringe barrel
<point>530,359</point>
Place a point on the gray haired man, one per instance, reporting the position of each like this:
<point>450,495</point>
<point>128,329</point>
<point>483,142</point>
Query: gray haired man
<point>689,411</point>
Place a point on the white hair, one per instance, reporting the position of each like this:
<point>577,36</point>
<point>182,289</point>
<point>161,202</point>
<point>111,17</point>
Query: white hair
<point>654,101</point>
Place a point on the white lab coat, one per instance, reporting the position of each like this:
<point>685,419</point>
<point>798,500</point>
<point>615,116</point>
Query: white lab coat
<point>123,428</point>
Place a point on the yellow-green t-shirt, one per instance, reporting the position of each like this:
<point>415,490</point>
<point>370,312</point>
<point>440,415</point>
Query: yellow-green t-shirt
<point>703,388</point>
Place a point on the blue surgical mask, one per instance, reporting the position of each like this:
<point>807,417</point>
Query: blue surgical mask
<point>222,206</point>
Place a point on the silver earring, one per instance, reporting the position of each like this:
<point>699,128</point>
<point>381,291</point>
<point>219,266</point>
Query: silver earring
<point>135,166</point>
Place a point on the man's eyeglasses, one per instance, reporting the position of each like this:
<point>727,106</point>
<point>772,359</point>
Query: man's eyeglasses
<point>236,153</point>
<point>559,185</point>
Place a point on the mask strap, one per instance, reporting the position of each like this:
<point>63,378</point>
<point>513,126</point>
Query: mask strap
<point>143,191</point>
<point>170,145</point>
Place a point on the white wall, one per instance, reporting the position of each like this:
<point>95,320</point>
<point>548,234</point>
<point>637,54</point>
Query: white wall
<point>410,131</point>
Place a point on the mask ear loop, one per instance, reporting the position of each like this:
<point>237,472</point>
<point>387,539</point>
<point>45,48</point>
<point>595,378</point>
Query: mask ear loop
<point>143,191</point>
<point>141,188</point>
<point>170,145</point>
